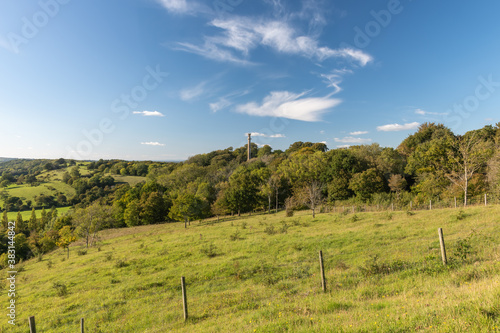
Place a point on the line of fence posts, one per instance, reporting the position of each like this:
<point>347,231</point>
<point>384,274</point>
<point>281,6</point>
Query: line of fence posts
<point>32,325</point>
<point>184,291</point>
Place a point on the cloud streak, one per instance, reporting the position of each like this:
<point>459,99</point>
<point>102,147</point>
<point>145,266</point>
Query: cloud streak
<point>157,144</point>
<point>351,139</point>
<point>274,136</point>
<point>425,113</point>
<point>240,35</point>
<point>358,133</point>
<point>397,127</point>
<point>285,104</point>
<point>149,113</point>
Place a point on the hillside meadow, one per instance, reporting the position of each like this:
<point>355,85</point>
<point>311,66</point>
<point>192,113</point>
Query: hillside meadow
<point>260,273</point>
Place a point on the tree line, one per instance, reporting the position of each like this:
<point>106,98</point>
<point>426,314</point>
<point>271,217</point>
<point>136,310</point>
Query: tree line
<point>431,164</point>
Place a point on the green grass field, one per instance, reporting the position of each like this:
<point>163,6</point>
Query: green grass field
<point>131,180</point>
<point>27,214</point>
<point>261,274</point>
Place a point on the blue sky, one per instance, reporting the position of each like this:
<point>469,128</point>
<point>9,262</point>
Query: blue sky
<point>167,79</point>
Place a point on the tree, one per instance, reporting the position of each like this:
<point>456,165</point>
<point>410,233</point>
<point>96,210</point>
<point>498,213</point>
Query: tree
<point>469,156</point>
<point>43,219</point>
<point>366,183</point>
<point>66,237</point>
<point>132,213</point>
<point>242,193</point>
<point>186,207</point>
<point>154,208</point>
<point>397,183</point>
<point>32,224</point>
<point>304,169</point>
<point>5,219</point>
<point>89,221</point>
<point>20,226</point>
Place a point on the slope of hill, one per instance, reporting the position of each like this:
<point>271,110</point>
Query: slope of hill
<point>261,274</point>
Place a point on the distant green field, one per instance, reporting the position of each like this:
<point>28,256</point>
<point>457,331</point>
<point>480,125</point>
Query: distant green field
<point>132,180</point>
<point>27,214</point>
<point>27,192</point>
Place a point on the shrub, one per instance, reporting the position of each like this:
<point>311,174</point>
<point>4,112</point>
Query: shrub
<point>284,227</point>
<point>120,263</point>
<point>61,289</point>
<point>270,230</point>
<point>243,225</point>
<point>235,236</point>
<point>209,250</point>
<point>108,256</point>
<point>289,213</point>
<point>81,252</point>
<point>463,249</point>
<point>354,218</point>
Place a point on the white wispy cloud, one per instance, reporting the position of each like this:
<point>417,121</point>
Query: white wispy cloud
<point>152,144</point>
<point>285,104</point>
<point>358,133</point>
<point>176,6</point>
<point>268,135</point>
<point>351,139</point>
<point>333,81</point>
<point>192,93</point>
<point>149,113</point>
<point>222,103</point>
<point>241,35</point>
<point>184,7</point>
<point>226,100</point>
<point>425,113</point>
<point>398,127</point>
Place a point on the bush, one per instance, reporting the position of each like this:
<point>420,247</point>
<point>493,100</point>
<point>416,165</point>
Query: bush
<point>61,289</point>
<point>235,236</point>
<point>81,252</point>
<point>121,263</point>
<point>284,227</point>
<point>209,250</point>
<point>289,213</point>
<point>270,230</point>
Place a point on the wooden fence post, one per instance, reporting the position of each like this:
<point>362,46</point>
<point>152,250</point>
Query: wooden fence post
<point>430,204</point>
<point>455,202</point>
<point>441,243</point>
<point>184,298</point>
<point>32,324</point>
<point>392,206</point>
<point>485,200</point>
<point>411,205</point>
<point>82,325</point>
<point>322,271</point>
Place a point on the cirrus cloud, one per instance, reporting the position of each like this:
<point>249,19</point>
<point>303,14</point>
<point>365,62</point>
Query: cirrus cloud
<point>397,127</point>
<point>153,144</point>
<point>149,113</point>
<point>285,104</point>
<point>351,139</point>
<point>274,136</point>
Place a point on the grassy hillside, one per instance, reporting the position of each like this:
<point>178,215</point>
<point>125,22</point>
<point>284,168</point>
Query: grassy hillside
<point>261,274</point>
